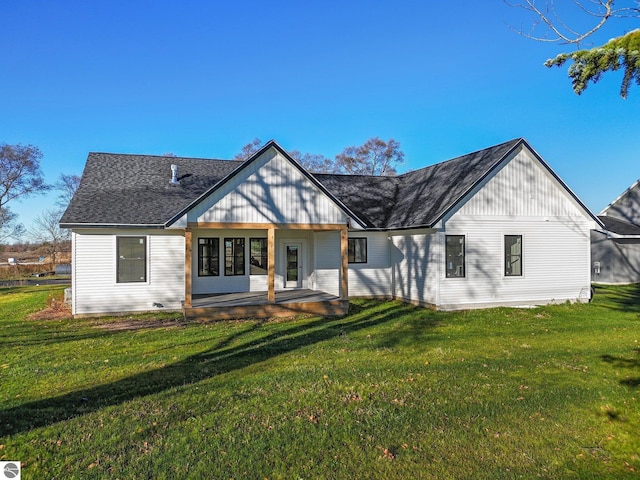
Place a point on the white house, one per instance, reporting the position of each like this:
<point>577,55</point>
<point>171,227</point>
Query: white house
<point>266,237</point>
<point>615,248</point>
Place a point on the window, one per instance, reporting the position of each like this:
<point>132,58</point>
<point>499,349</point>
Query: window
<point>357,250</point>
<point>208,257</point>
<point>513,255</point>
<point>455,253</point>
<point>234,256</point>
<point>132,259</point>
<point>258,256</point>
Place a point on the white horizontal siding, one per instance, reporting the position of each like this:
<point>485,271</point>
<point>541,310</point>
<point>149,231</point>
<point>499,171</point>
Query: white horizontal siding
<point>555,262</point>
<point>96,290</point>
<point>269,190</point>
<point>224,283</point>
<point>374,277</point>
<point>249,283</point>
<point>327,262</point>
<point>522,188</point>
<point>415,263</point>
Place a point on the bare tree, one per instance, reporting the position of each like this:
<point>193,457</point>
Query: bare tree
<point>20,176</point>
<point>314,163</point>
<point>249,149</point>
<point>9,227</point>
<point>47,231</point>
<point>555,29</point>
<point>67,186</point>
<point>374,157</point>
<point>619,53</point>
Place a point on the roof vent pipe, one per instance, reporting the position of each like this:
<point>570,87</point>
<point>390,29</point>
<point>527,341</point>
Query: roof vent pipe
<point>174,174</point>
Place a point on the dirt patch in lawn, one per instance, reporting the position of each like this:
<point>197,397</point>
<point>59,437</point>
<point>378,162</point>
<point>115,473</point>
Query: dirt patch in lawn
<point>54,311</point>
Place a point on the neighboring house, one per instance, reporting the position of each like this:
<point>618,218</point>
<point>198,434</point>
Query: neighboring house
<point>615,248</point>
<point>494,227</point>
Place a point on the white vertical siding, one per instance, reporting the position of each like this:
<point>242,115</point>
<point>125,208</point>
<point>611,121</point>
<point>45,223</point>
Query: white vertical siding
<point>374,277</point>
<point>94,273</point>
<point>269,190</point>
<point>524,188</point>
<point>327,262</point>
<point>415,265</point>
<point>626,206</point>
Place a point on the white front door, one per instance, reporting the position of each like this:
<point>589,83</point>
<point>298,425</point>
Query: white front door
<point>293,264</point>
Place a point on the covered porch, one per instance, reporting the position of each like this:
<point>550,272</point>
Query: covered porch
<point>263,288</point>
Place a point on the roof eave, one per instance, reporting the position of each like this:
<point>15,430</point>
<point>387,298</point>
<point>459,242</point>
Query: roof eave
<point>156,226</point>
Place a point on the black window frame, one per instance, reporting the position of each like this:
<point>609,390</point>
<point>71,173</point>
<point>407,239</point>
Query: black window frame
<point>263,256</point>
<point>351,250</point>
<point>508,263</point>
<point>451,266</point>
<point>237,253</point>
<point>213,256</point>
<point>121,259</point>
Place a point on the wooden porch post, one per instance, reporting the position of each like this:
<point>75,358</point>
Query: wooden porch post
<point>344,270</point>
<point>271,265</point>
<point>188,254</point>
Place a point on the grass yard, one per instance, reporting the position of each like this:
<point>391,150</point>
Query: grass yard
<point>389,391</point>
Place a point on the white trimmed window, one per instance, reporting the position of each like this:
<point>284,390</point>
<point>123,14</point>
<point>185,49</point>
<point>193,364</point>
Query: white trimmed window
<point>455,256</point>
<point>513,255</point>
<point>131,259</point>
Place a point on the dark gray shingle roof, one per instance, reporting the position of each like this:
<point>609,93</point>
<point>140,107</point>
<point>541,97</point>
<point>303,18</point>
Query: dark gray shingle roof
<point>118,189</point>
<point>121,189</point>
<point>619,227</point>
<point>417,198</point>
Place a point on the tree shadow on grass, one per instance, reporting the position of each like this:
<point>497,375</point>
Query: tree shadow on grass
<point>623,363</point>
<point>621,297</point>
<point>217,360</point>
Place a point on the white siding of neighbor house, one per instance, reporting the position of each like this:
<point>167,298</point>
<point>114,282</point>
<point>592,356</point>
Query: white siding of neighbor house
<point>95,289</point>
<point>415,258</point>
<point>372,279</point>
<point>269,190</point>
<point>521,199</point>
<point>327,262</point>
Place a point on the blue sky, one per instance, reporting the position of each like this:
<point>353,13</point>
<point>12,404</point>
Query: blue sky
<point>203,78</point>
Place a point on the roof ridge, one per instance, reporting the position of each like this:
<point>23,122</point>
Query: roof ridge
<point>514,141</point>
<point>164,156</point>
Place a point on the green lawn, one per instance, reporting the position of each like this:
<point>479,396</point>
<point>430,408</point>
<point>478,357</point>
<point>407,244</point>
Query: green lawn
<point>389,391</point>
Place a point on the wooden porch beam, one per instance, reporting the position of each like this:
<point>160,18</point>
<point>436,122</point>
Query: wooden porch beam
<point>271,265</point>
<point>266,226</point>
<point>188,261</point>
<point>344,270</point>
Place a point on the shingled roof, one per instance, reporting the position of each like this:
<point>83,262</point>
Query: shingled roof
<point>120,190</point>
<point>418,198</point>
<point>619,227</point>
